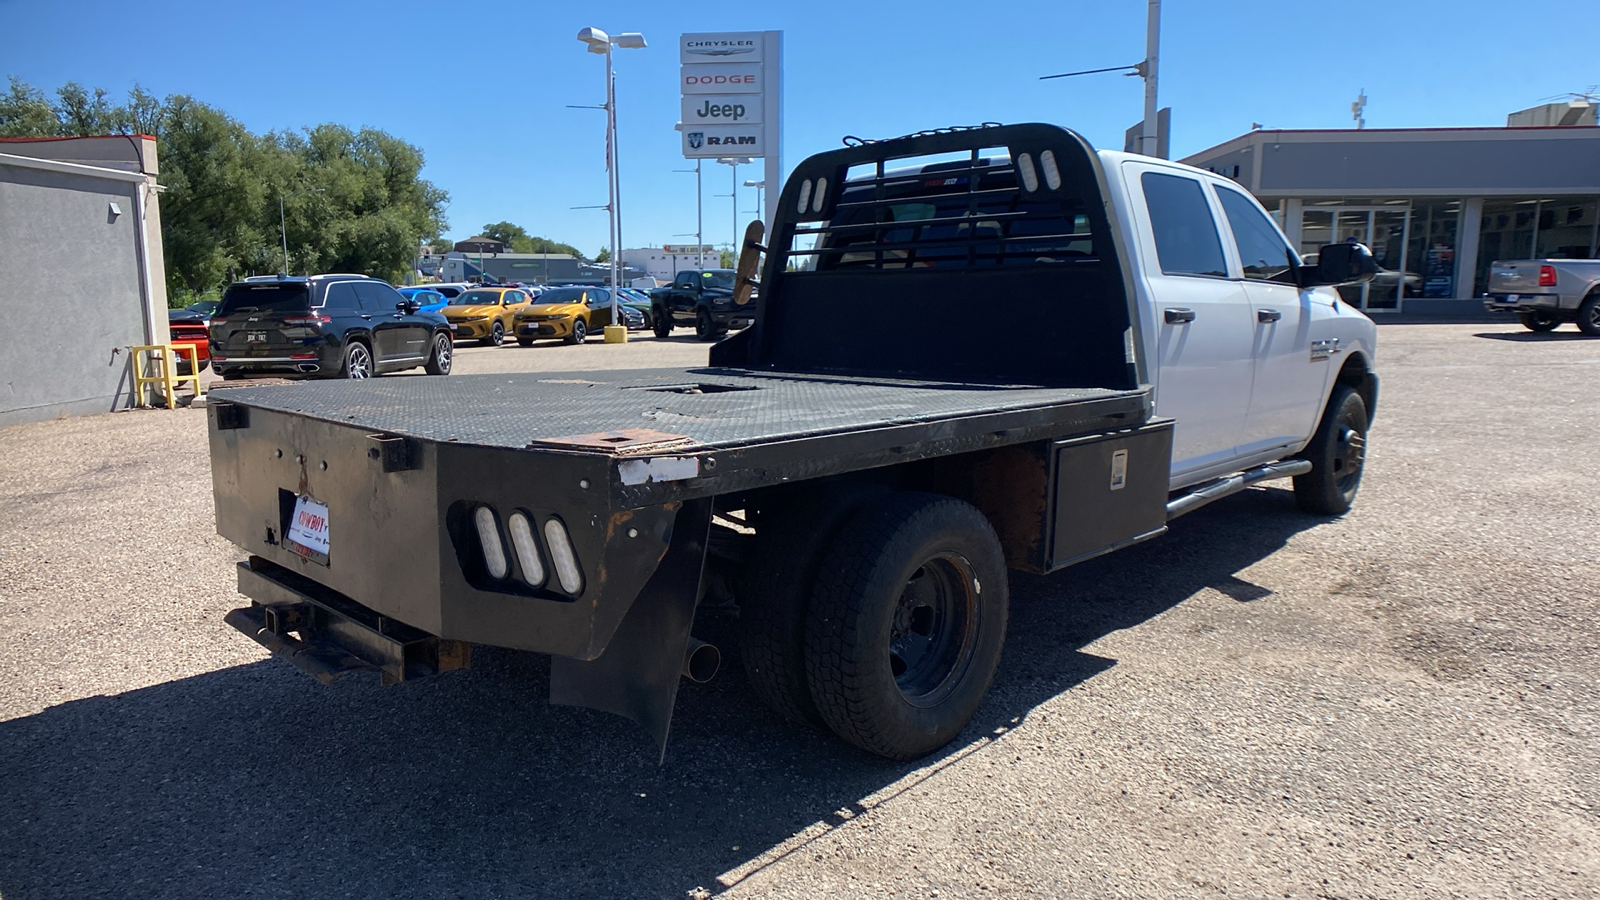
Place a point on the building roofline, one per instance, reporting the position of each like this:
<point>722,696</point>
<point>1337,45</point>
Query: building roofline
<point>78,137</point>
<point>1261,135</point>
<point>51,165</point>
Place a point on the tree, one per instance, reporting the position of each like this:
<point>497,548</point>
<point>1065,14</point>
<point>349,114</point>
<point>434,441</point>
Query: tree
<point>604,256</point>
<point>725,259</point>
<point>352,201</point>
<point>25,112</point>
<point>506,233</point>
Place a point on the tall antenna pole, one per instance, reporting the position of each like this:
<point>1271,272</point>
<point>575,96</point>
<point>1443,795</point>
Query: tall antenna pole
<point>1150,143</point>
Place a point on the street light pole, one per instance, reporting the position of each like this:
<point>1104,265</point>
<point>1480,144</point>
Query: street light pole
<point>735,162</point>
<point>699,218</point>
<point>283,230</point>
<point>602,43</point>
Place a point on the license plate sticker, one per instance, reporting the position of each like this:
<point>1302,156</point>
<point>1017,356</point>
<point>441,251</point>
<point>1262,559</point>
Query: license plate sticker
<point>308,529</point>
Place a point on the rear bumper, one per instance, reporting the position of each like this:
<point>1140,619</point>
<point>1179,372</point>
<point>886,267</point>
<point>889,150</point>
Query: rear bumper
<point>404,544</point>
<point>328,635</point>
<point>1517,302</point>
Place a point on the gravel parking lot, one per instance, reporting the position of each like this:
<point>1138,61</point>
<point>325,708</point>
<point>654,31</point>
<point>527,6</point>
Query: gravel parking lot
<point>1399,703</point>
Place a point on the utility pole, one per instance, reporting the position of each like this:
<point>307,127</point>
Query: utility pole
<point>1150,144</point>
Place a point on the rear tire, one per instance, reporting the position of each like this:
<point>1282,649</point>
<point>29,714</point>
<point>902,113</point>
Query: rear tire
<point>1338,456</point>
<point>357,361</point>
<point>1589,315</point>
<point>442,357</point>
<point>1536,320</point>
<point>906,623</point>
<point>661,323</point>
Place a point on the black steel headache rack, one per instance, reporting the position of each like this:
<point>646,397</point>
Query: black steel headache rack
<point>981,255</point>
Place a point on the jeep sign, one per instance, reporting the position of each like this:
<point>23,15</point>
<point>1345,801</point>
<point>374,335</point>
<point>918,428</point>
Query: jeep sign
<point>742,78</point>
<point>714,109</point>
<point>712,141</point>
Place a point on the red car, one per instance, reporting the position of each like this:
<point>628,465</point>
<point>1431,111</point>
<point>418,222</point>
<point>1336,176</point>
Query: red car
<point>191,332</point>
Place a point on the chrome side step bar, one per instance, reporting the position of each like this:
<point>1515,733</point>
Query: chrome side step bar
<point>1233,484</point>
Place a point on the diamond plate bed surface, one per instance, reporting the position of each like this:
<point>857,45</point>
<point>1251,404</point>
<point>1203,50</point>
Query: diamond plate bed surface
<point>737,408</point>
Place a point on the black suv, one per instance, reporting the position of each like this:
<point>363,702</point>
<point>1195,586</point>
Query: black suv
<point>347,326</point>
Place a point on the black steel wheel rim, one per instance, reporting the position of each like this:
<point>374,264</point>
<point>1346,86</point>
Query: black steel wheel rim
<point>1349,454</point>
<point>933,634</point>
<point>359,363</point>
<point>442,352</point>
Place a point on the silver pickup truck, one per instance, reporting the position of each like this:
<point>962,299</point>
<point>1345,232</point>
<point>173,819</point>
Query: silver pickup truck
<point>1546,292</point>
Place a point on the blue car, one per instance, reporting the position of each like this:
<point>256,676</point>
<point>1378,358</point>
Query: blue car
<point>432,301</point>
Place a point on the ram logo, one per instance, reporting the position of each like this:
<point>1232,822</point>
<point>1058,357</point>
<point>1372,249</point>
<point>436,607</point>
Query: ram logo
<point>696,139</point>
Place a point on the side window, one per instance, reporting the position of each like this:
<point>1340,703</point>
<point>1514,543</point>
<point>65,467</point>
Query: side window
<point>372,297</point>
<point>686,279</point>
<point>599,298</point>
<point>512,298</point>
<point>1186,235</point>
<point>1262,251</point>
<point>341,296</point>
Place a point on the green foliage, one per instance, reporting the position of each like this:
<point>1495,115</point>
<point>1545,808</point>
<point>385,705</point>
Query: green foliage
<point>24,112</point>
<point>352,201</point>
<point>725,259</point>
<point>604,256</point>
<point>520,241</point>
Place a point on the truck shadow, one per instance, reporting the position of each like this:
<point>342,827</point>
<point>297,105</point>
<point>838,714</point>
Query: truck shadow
<point>254,781</point>
<point>1532,336</point>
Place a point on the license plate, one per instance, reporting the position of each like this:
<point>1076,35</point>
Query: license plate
<point>1511,298</point>
<point>255,337</point>
<point>308,530</point>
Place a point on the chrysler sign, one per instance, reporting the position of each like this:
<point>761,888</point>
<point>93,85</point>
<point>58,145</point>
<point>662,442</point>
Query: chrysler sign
<point>734,46</point>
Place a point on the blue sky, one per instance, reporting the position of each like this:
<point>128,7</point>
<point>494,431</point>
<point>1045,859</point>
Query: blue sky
<point>483,89</point>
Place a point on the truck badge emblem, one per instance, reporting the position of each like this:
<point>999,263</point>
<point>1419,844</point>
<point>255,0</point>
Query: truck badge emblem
<point>696,139</point>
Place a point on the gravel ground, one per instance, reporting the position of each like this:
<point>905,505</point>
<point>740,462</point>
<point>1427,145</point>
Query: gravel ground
<point>1400,703</point>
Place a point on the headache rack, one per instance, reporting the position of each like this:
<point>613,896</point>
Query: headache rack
<point>982,255</point>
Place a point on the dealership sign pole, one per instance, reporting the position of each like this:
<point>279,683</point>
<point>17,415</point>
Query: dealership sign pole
<point>732,87</point>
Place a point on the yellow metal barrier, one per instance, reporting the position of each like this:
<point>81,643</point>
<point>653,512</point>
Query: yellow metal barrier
<point>157,364</point>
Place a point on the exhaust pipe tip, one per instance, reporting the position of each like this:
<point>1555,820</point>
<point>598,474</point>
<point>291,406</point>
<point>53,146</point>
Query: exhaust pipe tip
<point>309,367</point>
<point>701,661</point>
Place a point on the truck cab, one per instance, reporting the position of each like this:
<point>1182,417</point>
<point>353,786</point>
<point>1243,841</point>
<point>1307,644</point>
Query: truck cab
<point>701,298</point>
<point>1243,354</point>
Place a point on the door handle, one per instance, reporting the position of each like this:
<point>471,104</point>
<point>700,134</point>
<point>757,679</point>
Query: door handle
<point>1178,314</point>
<point>1268,315</point>
<point>367,317</point>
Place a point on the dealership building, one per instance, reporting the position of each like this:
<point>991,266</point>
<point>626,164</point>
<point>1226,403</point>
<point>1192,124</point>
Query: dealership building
<point>1436,205</point>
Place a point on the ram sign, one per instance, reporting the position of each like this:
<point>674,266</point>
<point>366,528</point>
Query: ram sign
<point>711,141</point>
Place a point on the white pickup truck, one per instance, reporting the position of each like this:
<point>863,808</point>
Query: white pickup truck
<point>1020,355</point>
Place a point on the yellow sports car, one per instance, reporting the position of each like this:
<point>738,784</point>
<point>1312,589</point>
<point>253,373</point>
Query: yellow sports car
<point>569,313</point>
<point>485,313</point>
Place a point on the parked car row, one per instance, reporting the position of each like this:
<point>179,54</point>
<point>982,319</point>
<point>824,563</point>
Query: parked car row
<point>354,326</point>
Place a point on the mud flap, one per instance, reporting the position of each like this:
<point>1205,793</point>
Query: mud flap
<point>637,676</point>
